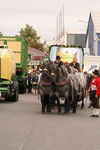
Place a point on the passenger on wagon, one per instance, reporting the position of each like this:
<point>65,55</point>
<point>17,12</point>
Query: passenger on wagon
<point>75,64</point>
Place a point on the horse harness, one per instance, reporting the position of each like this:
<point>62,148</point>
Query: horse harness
<point>55,83</point>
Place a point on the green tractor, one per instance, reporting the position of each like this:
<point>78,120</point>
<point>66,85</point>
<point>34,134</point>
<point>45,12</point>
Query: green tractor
<point>19,47</point>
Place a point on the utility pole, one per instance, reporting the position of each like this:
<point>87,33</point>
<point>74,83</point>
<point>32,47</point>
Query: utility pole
<point>65,36</point>
<point>60,24</point>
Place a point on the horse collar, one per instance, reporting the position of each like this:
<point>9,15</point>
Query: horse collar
<point>45,83</point>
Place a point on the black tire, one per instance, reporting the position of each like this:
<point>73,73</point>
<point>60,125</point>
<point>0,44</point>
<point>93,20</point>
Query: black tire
<point>15,95</point>
<point>7,99</point>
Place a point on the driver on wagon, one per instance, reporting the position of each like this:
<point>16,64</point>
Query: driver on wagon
<point>58,61</point>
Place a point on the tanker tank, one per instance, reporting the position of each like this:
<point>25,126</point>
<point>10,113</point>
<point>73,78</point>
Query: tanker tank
<point>7,63</point>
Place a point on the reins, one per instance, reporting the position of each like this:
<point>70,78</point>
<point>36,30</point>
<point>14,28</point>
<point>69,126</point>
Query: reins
<point>56,83</point>
<point>61,83</point>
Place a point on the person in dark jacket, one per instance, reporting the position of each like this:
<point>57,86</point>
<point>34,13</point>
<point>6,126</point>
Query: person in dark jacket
<point>34,82</point>
<point>75,64</point>
<point>89,78</point>
<point>29,84</point>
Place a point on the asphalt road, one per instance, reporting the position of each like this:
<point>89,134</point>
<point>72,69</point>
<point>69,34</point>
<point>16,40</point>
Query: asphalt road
<point>23,127</point>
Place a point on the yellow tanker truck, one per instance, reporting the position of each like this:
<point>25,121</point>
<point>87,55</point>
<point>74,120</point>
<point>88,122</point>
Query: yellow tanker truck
<point>9,87</point>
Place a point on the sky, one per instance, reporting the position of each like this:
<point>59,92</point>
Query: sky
<point>42,14</point>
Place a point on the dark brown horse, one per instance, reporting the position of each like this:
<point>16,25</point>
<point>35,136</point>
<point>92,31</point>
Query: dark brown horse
<point>46,87</point>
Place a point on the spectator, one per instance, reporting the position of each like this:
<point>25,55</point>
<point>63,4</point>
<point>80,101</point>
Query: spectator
<point>89,78</point>
<point>29,84</point>
<point>34,82</point>
<point>95,93</point>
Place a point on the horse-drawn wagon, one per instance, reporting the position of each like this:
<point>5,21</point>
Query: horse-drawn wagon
<point>61,81</point>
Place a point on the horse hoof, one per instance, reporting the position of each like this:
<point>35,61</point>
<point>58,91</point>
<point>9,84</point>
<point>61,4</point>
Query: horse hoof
<point>82,107</point>
<point>59,112</point>
<point>74,111</point>
<point>64,113</point>
<point>48,112</point>
<point>42,112</point>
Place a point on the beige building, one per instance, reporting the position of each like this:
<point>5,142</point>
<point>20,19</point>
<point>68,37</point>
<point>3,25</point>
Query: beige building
<point>73,38</point>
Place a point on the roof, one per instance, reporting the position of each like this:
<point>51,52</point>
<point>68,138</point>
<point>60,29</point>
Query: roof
<point>37,54</point>
<point>96,20</point>
<point>76,32</point>
<point>95,17</point>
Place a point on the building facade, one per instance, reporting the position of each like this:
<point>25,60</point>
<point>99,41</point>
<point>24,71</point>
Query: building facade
<point>73,38</point>
<point>93,34</point>
<point>35,56</point>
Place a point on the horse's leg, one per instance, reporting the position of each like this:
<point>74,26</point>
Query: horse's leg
<point>49,103</point>
<point>67,101</point>
<point>74,106</point>
<point>43,104</point>
<point>82,106</point>
<point>53,102</point>
<point>66,106</point>
<point>83,96</point>
<point>74,103</point>
<point>59,106</point>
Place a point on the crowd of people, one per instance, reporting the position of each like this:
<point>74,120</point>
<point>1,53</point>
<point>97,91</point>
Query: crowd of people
<point>92,83</point>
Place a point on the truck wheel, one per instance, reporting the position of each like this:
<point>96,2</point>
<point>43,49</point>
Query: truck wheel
<point>7,99</point>
<point>15,95</point>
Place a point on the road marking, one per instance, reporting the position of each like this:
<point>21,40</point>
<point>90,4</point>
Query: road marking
<point>24,141</point>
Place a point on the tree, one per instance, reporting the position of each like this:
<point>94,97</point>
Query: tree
<point>31,35</point>
<point>1,34</point>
